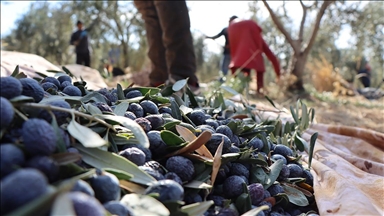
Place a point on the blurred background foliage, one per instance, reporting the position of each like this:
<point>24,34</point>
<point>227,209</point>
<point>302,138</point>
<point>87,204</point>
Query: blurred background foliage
<point>118,37</point>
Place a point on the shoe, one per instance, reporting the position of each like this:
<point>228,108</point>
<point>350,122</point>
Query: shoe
<point>195,88</point>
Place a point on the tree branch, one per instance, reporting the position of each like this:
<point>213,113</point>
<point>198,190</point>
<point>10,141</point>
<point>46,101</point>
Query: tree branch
<point>285,10</point>
<point>117,20</point>
<point>111,28</point>
<point>280,26</point>
<point>320,14</point>
<point>301,31</point>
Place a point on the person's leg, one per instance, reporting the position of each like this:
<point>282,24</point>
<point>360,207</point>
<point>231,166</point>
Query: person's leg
<point>225,64</point>
<point>79,58</point>
<point>177,40</point>
<point>156,51</point>
<point>365,79</point>
<point>260,80</point>
<point>87,59</point>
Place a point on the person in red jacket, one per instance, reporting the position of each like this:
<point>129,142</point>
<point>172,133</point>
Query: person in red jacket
<point>247,46</point>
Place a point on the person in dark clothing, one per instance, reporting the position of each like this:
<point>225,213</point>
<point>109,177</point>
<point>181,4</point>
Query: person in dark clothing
<point>80,39</point>
<point>170,42</point>
<point>364,72</point>
<point>226,53</point>
<point>115,71</point>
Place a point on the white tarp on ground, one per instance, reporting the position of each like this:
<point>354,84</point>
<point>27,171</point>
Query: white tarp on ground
<point>30,63</point>
<point>347,166</point>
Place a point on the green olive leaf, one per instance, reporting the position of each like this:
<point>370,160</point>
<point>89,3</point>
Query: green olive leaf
<point>60,145</point>
<point>186,110</point>
<point>170,138</point>
<point>197,185</point>
<point>93,96</point>
<point>179,85</point>
<point>15,71</point>
<point>270,101</point>
<point>136,129</point>
<point>159,99</point>
<point>175,109</point>
<point>312,147</point>
<point>21,99</point>
<point>217,162</point>
<point>197,208</point>
<point>63,205</point>
<point>21,75</point>
<point>304,117</point>
<point>41,74</point>
<point>92,109</point>
<point>144,90</point>
<point>106,160</point>
<point>67,71</point>
<point>243,203</point>
<point>301,144</point>
<point>121,108</point>
<point>229,157</point>
<point>282,199</point>
<point>65,158</point>
<point>258,175</point>
<point>174,207</point>
<point>256,210</point>
<point>132,187</point>
<point>192,99</point>
<point>312,112</point>
<point>278,128</point>
<point>274,173</point>
<point>295,196</point>
<point>121,175</point>
<point>120,92</point>
<point>167,91</point>
<point>229,89</point>
<point>294,114</point>
<point>144,205</point>
<point>85,135</point>
<point>204,175</point>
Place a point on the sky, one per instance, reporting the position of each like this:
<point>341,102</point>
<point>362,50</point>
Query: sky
<point>207,17</point>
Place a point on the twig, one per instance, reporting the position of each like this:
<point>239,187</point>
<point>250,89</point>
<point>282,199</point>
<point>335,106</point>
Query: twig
<point>92,118</point>
<point>25,118</point>
<point>275,111</point>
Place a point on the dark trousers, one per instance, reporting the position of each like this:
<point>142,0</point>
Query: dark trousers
<point>83,59</point>
<point>365,80</point>
<point>169,39</point>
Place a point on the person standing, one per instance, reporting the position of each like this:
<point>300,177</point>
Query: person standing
<point>247,47</point>
<point>80,40</point>
<point>226,53</point>
<point>170,42</point>
<point>363,69</point>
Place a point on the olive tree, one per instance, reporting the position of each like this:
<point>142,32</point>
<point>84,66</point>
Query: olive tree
<point>301,47</point>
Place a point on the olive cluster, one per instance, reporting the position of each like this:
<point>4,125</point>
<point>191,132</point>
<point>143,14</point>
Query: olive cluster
<point>28,167</point>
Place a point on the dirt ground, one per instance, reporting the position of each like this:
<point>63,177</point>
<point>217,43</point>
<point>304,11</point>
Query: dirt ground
<point>344,110</point>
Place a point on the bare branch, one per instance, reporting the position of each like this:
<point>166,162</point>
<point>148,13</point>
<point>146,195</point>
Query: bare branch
<point>280,26</point>
<point>301,30</point>
<point>285,10</point>
<point>117,20</point>
<point>111,28</point>
<point>320,14</point>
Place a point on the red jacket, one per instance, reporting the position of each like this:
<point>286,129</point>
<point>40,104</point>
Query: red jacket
<point>247,46</point>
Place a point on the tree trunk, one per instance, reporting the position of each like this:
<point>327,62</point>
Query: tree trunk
<point>298,67</point>
<point>125,55</point>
